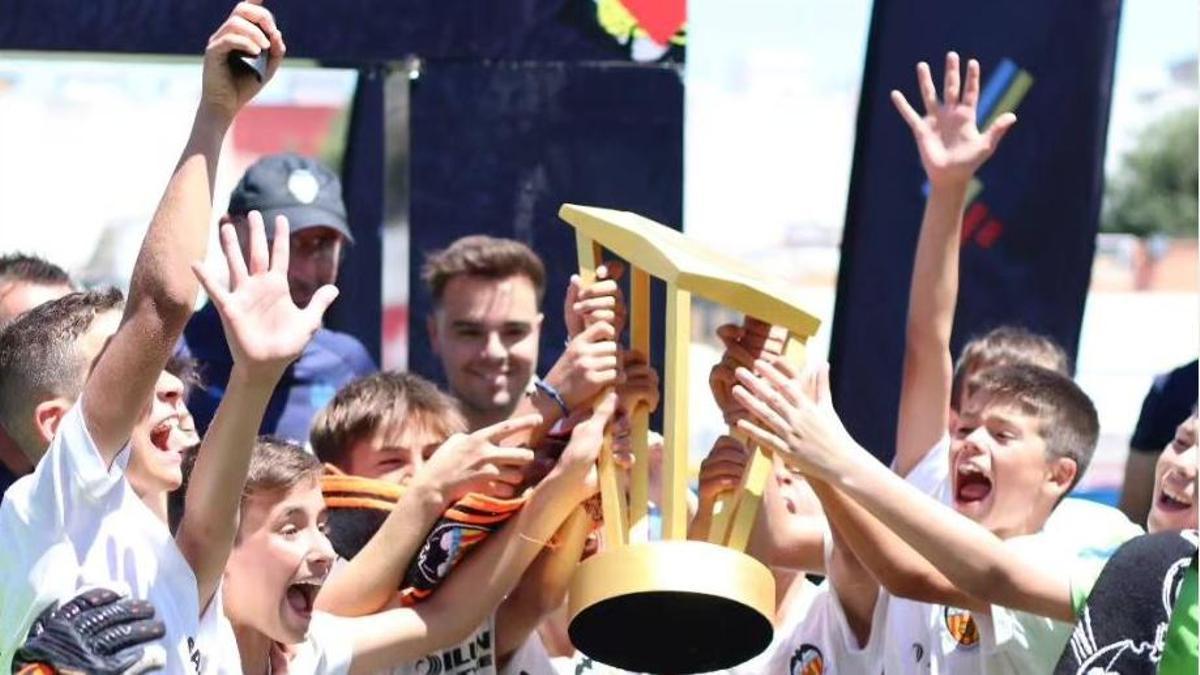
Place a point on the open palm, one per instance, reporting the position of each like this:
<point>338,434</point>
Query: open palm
<point>951,146</point>
<point>264,328</point>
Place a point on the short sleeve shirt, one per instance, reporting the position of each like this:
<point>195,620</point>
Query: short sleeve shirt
<point>75,523</point>
<point>1169,402</point>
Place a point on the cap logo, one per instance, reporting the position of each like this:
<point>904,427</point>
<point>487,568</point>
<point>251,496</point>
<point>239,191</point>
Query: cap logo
<point>303,186</point>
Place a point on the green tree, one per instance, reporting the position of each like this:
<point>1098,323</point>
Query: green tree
<point>1154,190</point>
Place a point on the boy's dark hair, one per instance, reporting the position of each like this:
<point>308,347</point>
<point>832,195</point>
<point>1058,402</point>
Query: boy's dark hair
<point>483,256</point>
<point>187,369</point>
<point>278,465</point>
<point>382,400</point>
<point>177,497</point>
<point>39,358</point>
<point>31,269</point>
<point>1067,418</point>
<point>1006,345</point>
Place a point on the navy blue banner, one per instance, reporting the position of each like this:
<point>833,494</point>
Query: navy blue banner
<point>498,148</point>
<point>1030,228</point>
<point>341,32</point>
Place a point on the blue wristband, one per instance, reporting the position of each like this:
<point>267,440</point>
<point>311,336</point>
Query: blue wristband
<point>549,390</point>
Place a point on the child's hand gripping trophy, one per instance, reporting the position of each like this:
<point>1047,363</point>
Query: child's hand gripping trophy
<point>744,345</point>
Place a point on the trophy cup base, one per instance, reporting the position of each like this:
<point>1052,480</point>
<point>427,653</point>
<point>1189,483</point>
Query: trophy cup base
<point>672,607</point>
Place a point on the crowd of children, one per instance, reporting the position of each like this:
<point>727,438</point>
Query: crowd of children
<point>383,525</point>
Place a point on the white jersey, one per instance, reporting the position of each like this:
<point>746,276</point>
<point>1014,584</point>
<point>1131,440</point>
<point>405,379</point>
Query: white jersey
<point>925,638</point>
<point>474,656</point>
<point>820,642</point>
<point>327,649</point>
<point>531,659</point>
<point>75,523</point>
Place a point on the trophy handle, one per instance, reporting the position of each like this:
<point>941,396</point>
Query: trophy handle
<point>749,495</point>
<point>639,480</point>
<point>610,493</point>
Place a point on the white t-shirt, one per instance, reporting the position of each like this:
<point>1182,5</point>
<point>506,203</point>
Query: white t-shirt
<point>531,659</point>
<point>924,638</point>
<point>74,523</point>
<point>474,656</point>
<point>820,640</point>
<point>327,649</point>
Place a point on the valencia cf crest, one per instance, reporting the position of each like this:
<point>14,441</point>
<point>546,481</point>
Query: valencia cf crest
<point>962,626</point>
<point>807,661</point>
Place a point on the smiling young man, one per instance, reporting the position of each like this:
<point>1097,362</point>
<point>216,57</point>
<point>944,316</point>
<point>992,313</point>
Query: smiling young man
<point>486,323</point>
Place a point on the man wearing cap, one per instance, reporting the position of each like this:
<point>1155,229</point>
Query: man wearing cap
<point>310,196</point>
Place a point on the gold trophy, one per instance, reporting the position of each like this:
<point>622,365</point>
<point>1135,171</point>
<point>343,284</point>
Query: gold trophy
<point>673,605</point>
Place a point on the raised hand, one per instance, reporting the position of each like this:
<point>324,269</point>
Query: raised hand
<point>266,330</point>
<point>589,365</point>
<point>97,631</point>
<point>743,346</point>
<point>791,414</point>
<point>640,386</point>
<point>951,146</point>
<point>602,301</point>
<point>721,471</point>
<point>475,463</point>
<point>250,29</point>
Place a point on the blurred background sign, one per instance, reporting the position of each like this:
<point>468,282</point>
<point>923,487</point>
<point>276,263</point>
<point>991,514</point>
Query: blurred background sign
<point>1030,229</point>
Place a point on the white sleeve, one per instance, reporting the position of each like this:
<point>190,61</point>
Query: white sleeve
<point>328,649</point>
<point>71,480</point>
<point>531,659</point>
<point>932,474</point>
<point>1028,638</point>
<point>69,488</point>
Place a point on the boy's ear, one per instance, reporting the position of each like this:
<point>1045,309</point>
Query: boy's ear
<point>1061,475</point>
<point>46,417</point>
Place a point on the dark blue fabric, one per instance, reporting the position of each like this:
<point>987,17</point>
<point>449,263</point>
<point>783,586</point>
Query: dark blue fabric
<point>1169,402</point>
<point>360,313</point>
<point>7,478</point>
<point>1029,236</point>
<point>331,360</point>
<point>353,31</point>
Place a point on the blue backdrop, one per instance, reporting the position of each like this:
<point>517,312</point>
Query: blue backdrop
<point>1029,234</point>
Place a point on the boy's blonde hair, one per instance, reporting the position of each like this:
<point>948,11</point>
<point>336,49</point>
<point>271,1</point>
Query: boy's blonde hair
<point>1003,346</point>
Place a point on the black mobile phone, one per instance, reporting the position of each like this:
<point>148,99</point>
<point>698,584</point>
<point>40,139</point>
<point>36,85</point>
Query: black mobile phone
<point>243,62</point>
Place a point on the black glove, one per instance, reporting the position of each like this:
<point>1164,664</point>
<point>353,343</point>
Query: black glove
<point>96,632</point>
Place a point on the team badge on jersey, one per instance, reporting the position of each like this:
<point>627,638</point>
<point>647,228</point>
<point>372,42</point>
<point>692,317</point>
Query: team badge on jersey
<point>807,661</point>
<point>962,626</point>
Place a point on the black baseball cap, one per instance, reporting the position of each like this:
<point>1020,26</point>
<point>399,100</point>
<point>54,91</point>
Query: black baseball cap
<point>298,187</point>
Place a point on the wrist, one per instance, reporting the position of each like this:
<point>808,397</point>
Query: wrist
<point>425,495</point>
<point>950,186</point>
<point>212,119</point>
<point>549,504</point>
<point>547,405</point>
<point>253,379</point>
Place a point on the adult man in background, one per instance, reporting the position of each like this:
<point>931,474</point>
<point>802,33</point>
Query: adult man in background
<point>310,196</point>
<point>27,281</point>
